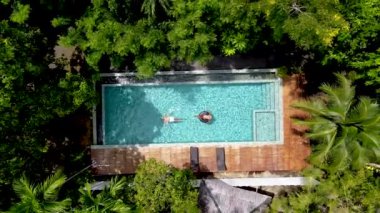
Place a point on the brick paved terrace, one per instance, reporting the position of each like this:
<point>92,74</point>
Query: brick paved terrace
<point>289,156</point>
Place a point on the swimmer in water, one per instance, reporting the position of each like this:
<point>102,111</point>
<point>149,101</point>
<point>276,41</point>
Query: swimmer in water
<point>170,119</point>
<point>205,117</point>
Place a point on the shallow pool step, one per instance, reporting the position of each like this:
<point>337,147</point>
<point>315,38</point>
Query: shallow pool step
<point>264,128</point>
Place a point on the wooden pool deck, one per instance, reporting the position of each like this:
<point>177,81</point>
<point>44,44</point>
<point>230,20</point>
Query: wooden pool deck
<point>289,156</point>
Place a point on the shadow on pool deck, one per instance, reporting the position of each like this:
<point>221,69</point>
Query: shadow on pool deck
<point>116,160</point>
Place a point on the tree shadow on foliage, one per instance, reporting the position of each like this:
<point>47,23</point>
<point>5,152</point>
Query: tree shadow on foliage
<point>67,141</point>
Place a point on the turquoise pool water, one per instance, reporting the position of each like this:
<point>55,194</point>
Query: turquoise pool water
<point>243,112</point>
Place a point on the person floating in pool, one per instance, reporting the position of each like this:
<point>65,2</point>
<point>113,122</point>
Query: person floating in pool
<point>170,119</point>
<point>205,117</point>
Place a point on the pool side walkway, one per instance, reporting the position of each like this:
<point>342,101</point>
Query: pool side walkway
<point>289,156</point>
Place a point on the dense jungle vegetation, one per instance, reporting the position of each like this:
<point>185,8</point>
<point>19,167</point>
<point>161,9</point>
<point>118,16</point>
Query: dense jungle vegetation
<point>46,101</point>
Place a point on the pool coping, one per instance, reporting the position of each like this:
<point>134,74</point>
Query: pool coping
<point>195,72</point>
<point>194,82</point>
<point>201,144</point>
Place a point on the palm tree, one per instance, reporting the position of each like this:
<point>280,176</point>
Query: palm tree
<point>108,200</point>
<point>344,192</point>
<point>40,197</point>
<point>346,128</point>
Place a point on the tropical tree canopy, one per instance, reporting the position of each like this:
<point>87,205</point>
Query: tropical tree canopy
<point>110,199</point>
<point>37,92</point>
<point>348,192</point>
<point>163,188</point>
<point>42,197</point>
<point>157,187</point>
<point>310,24</point>
<point>359,48</point>
<point>190,31</point>
<point>345,128</point>
<point>40,91</point>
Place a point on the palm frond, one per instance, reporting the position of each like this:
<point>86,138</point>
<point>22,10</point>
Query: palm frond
<point>376,155</point>
<point>117,185</point>
<point>23,188</point>
<point>319,156</point>
<point>345,87</point>
<point>321,151</point>
<point>86,197</point>
<point>341,96</point>
<point>57,206</point>
<point>50,187</point>
<point>120,206</point>
<point>149,7</point>
<point>334,114</point>
<point>311,122</point>
<point>24,207</point>
<point>359,157</point>
<point>322,133</point>
<point>347,127</point>
<point>338,157</point>
<point>374,122</point>
<point>164,4</point>
<point>370,140</point>
<point>364,111</point>
<point>333,96</point>
<point>312,107</point>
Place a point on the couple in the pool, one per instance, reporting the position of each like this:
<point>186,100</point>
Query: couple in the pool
<point>205,117</point>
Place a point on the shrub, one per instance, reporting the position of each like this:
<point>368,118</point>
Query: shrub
<point>163,188</point>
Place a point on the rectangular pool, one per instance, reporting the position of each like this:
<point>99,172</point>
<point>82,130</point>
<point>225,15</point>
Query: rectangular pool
<point>243,112</point>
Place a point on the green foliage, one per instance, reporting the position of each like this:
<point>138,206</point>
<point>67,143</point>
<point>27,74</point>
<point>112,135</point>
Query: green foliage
<point>106,35</point>
<point>310,24</point>
<point>20,13</point>
<point>40,197</point>
<point>347,192</point>
<point>5,2</point>
<point>162,188</point>
<point>29,89</point>
<point>231,26</point>
<point>371,63</point>
<point>190,33</point>
<point>15,65</point>
<point>60,21</point>
<point>190,36</point>
<point>359,48</point>
<point>346,127</point>
<point>31,96</point>
<point>110,199</point>
<point>43,197</point>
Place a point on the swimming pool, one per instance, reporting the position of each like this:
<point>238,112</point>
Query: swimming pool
<point>248,112</point>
